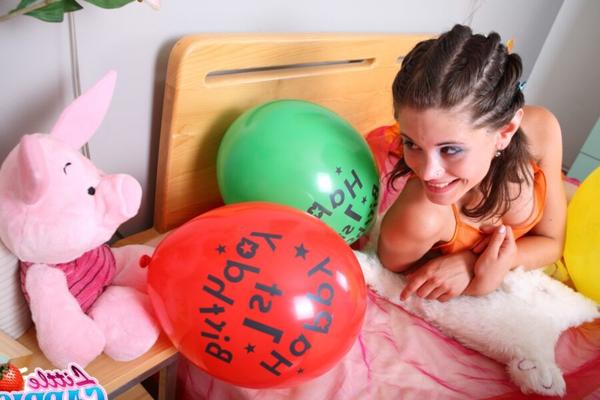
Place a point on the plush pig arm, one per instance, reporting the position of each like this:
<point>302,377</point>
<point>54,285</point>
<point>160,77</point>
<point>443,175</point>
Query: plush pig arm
<point>129,272</point>
<point>124,312</point>
<point>65,334</point>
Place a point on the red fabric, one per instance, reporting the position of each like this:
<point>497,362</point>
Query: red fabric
<point>386,147</point>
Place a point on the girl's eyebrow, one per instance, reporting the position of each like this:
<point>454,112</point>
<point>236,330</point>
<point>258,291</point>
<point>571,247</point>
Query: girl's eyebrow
<point>405,136</point>
<point>450,143</point>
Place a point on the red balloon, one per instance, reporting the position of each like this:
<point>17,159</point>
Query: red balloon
<point>258,294</point>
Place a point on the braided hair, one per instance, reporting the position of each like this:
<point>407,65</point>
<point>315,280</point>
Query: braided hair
<point>475,73</point>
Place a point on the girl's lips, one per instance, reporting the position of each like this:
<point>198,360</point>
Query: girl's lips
<point>440,188</point>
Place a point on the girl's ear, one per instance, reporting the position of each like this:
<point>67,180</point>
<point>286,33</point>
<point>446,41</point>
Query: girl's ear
<point>506,133</point>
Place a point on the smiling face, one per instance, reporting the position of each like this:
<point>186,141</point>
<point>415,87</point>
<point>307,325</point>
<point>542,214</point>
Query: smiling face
<point>446,152</point>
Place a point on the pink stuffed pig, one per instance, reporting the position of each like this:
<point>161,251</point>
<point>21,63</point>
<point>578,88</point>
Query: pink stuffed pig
<point>56,212</point>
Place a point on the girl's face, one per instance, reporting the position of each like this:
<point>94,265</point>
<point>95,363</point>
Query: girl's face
<point>448,155</point>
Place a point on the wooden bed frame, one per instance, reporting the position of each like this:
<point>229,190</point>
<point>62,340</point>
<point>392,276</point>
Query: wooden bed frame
<point>211,79</point>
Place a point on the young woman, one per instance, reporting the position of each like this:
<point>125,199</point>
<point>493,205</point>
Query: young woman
<point>484,193</point>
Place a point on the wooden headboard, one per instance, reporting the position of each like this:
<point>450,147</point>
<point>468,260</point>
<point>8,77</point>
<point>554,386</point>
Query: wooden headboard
<point>211,79</point>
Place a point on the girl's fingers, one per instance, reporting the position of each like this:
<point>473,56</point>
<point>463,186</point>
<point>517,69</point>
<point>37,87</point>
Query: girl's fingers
<point>414,282</point>
<point>472,289</point>
<point>426,289</point>
<point>488,229</point>
<point>436,293</point>
<point>509,246</point>
<point>510,236</point>
<point>445,297</point>
<point>481,245</point>
<point>493,248</point>
<point>509,241</point>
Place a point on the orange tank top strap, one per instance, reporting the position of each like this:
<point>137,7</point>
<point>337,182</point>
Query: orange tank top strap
<point>466,236</point>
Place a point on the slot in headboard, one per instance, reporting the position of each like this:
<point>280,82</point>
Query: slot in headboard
<point>211,79</point>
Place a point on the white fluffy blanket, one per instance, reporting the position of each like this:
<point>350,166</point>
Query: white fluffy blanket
<point>518,324</point>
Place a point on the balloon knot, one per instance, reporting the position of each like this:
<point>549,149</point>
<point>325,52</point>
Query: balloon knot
<point>145,260</point>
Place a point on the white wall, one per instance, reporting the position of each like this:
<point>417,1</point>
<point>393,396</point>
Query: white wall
<point>135,40</point>
<point>566,77</point>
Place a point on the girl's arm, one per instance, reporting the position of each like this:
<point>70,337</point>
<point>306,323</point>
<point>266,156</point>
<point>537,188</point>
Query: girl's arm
<point>544,244</point>
<point>410,228</point>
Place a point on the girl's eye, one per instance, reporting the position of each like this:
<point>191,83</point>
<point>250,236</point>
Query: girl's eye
<point>451,150</point>
<point>409,145</point>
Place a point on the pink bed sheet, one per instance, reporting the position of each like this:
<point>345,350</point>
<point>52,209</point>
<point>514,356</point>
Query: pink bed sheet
<point>399,356</point>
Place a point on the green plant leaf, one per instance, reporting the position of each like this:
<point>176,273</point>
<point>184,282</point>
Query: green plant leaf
<point>72,5</point>
<point>109,3</point>
<point>53,12</point>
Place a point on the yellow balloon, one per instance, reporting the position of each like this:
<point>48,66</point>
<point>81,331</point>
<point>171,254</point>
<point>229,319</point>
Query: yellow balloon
<point>558,271</point>
<point>582,245</point>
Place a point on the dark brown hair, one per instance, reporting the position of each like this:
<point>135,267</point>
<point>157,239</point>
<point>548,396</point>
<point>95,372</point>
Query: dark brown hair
<point>474,73</point>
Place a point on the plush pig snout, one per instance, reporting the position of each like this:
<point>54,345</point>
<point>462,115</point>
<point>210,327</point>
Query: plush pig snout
<point>121,195</point>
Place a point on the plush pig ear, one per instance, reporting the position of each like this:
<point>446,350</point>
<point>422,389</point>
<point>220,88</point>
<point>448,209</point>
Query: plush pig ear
<point>31,169</point>
<point>79,121</point>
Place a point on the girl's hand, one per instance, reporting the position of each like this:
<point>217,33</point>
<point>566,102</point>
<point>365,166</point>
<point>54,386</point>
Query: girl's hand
<point>488,231</point>
<point>494,262</point>
<point>441,278</point>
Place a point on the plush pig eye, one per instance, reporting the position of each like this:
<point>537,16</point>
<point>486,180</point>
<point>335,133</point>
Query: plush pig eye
<point>91,190</point>
<point>65,167</point>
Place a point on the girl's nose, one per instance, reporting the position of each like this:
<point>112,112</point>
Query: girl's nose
<point>432,169</point>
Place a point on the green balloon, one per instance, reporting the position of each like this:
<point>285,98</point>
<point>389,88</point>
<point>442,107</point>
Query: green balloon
<point>303,155</point>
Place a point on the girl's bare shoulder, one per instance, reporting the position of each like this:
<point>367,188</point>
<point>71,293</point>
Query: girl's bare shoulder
<point>414,217</point>
<point>410,228</point>
<point>543,133</point>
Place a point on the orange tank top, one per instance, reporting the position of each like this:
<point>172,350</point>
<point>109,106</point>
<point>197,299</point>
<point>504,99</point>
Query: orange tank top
<point>467,236</point>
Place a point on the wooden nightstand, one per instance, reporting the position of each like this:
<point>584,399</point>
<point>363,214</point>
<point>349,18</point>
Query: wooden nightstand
<point>118,377</point>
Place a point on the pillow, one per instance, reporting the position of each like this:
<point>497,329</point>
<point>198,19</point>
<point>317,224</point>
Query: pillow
<point>15,317</point>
